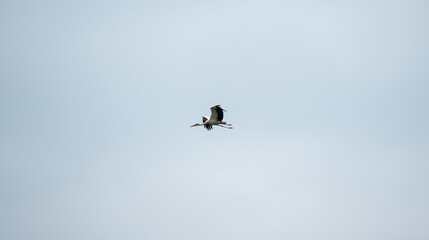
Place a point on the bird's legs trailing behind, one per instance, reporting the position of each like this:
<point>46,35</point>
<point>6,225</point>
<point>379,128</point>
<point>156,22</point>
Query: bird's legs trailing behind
<point>224,123</point>
<point>224,126</point>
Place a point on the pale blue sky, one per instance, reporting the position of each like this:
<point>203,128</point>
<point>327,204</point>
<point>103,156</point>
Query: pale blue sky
<point>329,101</point>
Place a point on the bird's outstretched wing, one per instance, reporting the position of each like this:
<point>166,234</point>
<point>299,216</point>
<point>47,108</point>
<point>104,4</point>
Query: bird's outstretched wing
<point>217,113</point>
<point>207,126</point>
<point>205,119</point>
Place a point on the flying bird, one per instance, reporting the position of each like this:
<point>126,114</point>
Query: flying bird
<point>215,119</point>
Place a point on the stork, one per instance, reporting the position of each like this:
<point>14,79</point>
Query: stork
<point>215,119</point>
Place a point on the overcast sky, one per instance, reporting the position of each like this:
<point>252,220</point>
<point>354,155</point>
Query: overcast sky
<point>329,102</point>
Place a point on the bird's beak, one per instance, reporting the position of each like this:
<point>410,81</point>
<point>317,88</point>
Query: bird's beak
<point>194,125</point>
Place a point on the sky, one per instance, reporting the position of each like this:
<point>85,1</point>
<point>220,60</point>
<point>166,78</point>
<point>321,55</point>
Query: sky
<point>328,99</point>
